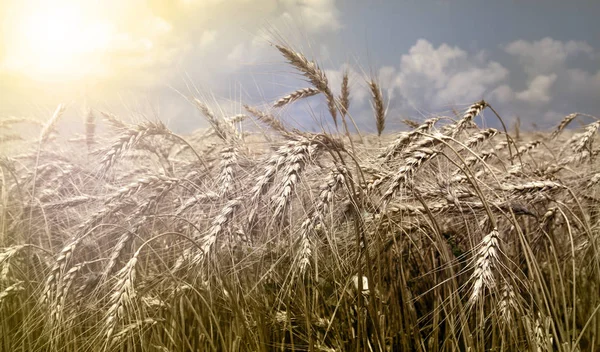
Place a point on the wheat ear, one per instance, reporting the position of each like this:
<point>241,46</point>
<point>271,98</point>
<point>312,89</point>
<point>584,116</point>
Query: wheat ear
<point>130,138</point>
<point>50,126</point>
<point>326,194</point>
<point>294,165</point>
<point>269,120</point>
<point>122,296</point>
<point>487,261</point>
<point>314,74</point>
<point>585,139</point>
<point>563,124</point>
<point>378,106</point>
<point>405,138</point>
<point>227,175</point>
<point>473,110</point>
<point>345,95</point>
<point>90,129</point>
<point>296,95</point>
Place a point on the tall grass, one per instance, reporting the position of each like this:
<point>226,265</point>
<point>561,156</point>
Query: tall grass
<point>440,238</point>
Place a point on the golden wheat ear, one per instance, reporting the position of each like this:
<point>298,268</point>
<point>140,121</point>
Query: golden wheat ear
<point>378,106</point>
<point>314,74</point>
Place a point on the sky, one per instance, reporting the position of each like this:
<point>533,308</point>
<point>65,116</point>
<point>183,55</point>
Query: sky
<point>536,60</point>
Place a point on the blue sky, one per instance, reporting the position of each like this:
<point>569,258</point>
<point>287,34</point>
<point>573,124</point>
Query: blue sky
<point>535,59</point>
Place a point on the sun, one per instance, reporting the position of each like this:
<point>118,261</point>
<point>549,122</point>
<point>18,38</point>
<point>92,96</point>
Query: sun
<point>61,41</point>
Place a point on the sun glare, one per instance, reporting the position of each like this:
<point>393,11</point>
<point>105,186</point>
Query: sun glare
<point>59,42</point>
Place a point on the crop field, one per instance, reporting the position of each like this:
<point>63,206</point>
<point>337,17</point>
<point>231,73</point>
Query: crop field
<point>253,235</point>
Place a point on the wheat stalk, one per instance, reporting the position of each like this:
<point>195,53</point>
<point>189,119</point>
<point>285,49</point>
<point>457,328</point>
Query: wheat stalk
<point>227,176</point>
<point>526,148</point>
<point>563,124</point>
<point>90,129</point>
<point>132,188</point>
<point>50,126</point>
<point>533,186</point>
<point>345,95</point>
<point>114,121</point>
<point>480,137</point>
<point>405,138</point>
<point>294,165</point>
<point>7,122</point>
<point>219,225</point>
<point>378,107</point>
<point>296,95</point>
<point>584,139</point>
<point>11,290</point>
<point>224,129</point>
<point>5,257</point>
<point>122,296</point>
<point>130,138</point>
<point>335,179</point>
<point>485,266</point>
<point>314,74</point>
<point>195,199</point>
<point>410,166</point>
<point>269,120</point>
<point>508,302</point>
<point>473,110</point>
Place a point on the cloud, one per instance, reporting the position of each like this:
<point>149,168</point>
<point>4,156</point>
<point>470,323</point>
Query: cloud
<point>436,77</point>
<point>546,55</point>
<point>208,37</point>
<point>502,94</point>
<point>358,90</point>
<point>538,90</point>
<point>315,15</point>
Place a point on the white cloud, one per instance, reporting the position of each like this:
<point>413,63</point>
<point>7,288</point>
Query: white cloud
<point>502,94</point>
<point>314,15</point>
<point>358,91</point>
<point>538,90</point>
<point>547,55</point>
<point>208,37</point>
<point>435,77</point>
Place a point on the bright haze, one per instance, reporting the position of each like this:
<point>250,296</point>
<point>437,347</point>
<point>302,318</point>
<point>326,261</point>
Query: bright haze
<point>538,60</point>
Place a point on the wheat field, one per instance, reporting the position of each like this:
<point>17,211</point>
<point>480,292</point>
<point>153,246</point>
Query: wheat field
<point>447,236</point>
